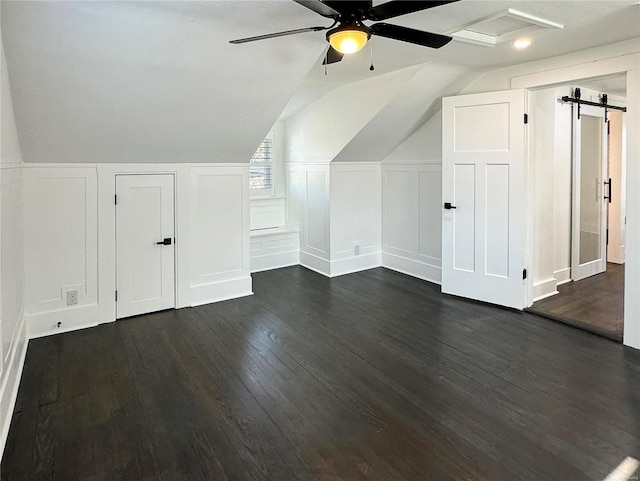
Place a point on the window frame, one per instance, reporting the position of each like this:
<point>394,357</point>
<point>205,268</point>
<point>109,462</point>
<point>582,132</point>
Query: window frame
<point>265,193</point>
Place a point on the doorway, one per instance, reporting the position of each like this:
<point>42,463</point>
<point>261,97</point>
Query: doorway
<point>587,286</point>
<point>145,244</point>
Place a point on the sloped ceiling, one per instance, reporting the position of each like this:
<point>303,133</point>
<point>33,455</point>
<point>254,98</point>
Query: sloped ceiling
<point>319,132</point>
<point>417,102</point>
<point>111,81</point>
<point>150,81</point>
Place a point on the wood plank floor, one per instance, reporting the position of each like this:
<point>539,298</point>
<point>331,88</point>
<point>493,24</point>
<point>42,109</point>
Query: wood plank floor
<point>595,304</point>
<point>369,376</point>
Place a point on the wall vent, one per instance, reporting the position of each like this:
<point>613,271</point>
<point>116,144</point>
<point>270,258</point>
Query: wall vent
<point>501,27</point>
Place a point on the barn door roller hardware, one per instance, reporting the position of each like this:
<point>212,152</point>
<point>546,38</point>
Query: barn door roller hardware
<point>603,103</point>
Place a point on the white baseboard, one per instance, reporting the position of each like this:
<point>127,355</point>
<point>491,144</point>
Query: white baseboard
<point>71,319</point>
<point>11,380</point>
<point>340,267</point>
<point>412,267</point>
<point>220,291</point>
<point>315,263</point>
<point>275,261</point>
<point>544,289</point>
<point>353,264</point>
<point>562,276</point>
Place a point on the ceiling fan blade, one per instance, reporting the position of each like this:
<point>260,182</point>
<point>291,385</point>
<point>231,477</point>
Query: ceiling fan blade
<point>319,7</point>
<point>395,8</point>
<point>332,56</point>
<point>349,6</point>
<point>277,34</point>
<point>411,35</point>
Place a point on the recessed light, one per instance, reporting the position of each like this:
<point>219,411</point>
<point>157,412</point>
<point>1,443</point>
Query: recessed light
<point>522,43</point>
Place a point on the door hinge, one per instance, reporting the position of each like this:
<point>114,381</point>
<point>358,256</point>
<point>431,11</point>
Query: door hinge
<point>524,274</point>
<point>116,296</point>
<point>607,236</point>
<point>115,199</point>
<point>526,118</point>
<point>608,127</point>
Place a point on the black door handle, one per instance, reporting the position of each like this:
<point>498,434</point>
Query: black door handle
<point>165,242</point>
<point>447,205</point>
<point>609,184</point>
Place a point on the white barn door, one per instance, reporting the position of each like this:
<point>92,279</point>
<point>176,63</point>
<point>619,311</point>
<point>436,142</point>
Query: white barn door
<point>590,192</point>
<point>145,277</point>
<point>483,190</point>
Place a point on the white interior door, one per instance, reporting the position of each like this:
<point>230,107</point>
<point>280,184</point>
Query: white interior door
<point>483,189</point>
<point>145,242</point>
<point>589,207</point>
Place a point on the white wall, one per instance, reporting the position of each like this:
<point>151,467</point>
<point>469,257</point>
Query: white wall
<point>616,211</point>
<point>70,239</point>
<point>562,175</point>
<point>336,207</point>
<point>308,209</point>
<point>13,337</point>
<point>425,144</point>
<point>412,203</point>
<point>219,233</point>
<point>550,179</point>
<point>355,216</point>
<point>632,265</point>
<point>61,245</point>
<point>13,340</point>
<point>412,219</point>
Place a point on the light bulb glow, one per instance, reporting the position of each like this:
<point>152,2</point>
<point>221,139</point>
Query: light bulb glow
<point>348,41</point>
<point>522,43</point>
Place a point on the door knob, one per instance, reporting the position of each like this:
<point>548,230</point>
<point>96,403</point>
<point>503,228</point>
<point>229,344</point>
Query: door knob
<point>447,205</point>
<point>165,242</point>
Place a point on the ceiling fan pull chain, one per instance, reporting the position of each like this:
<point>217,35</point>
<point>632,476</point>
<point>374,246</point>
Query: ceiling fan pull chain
<point>372,68</point>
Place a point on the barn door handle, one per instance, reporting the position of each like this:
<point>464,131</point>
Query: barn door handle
<point>447,205</point>
<point>165,242</point>
<point>608,184</point>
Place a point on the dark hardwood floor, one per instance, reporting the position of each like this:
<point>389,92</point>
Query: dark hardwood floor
<point>595,304</point>
<point>369,376</point>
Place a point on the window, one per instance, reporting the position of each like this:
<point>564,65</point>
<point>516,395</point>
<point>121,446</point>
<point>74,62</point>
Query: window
<point>261,168</point>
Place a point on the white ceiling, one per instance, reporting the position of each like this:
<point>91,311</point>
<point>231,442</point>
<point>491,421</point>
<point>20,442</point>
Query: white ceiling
<point>587,24</point>
<point>158,81</point>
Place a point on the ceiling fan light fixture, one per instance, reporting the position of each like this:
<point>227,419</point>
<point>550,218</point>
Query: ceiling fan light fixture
<point>348,39</point>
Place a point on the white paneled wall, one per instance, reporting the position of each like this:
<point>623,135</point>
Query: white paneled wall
<point>337,208</point>
<point>70,239</point>
<point>267,213</point>
<point>355,216</point>
<point>411,218</point>
<point>61,247</point>
<point>12,322</point>
<point>308,209</point>
<point>274,248</point>
<point>13,335</point>
<point>219,232</point>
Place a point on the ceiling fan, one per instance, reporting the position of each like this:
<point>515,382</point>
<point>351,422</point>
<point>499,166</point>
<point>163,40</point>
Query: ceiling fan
<point>348,33</point>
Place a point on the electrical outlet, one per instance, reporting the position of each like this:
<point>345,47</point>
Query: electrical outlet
<point>72,298</point>
<point>356,249</point>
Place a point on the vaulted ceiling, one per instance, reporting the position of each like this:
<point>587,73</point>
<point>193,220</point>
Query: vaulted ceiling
<point>159,82</point>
